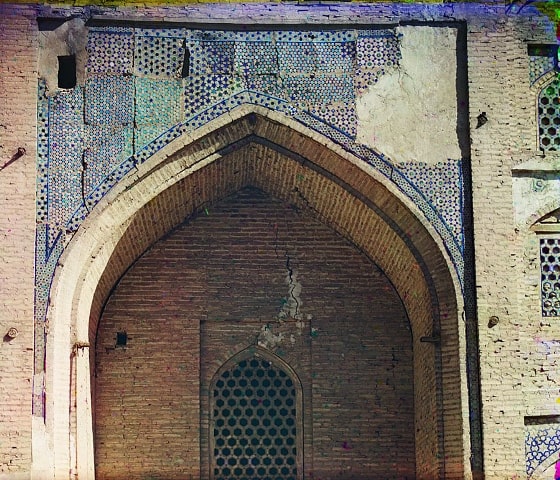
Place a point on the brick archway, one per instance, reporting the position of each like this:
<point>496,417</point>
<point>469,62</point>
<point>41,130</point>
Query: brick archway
<point>256,147</point>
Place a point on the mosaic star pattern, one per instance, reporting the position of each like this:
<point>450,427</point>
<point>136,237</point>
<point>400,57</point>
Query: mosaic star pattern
<point>110,52</point>
<point>441,184</point>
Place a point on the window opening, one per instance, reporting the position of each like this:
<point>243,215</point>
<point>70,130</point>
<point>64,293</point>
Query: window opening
<point>550,276</point>
<point>122,338</point>
<point>549,116</point>
<point>67,71</point>
<point>254,423</point>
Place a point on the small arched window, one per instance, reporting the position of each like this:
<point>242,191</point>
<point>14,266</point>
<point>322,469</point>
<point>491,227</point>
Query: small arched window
<point>255,410</point>
<point>549,116</point>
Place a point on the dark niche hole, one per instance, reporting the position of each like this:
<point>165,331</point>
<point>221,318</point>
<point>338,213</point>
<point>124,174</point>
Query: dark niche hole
<point>122,338</point>
<point>186,62</point>
<point>66,71</point>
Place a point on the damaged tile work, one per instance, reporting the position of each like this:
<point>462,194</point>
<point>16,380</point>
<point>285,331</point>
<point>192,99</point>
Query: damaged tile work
<point>144,88</point>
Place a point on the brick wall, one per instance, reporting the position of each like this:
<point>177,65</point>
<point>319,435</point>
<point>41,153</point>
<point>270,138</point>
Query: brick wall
<point>18,97</point>
<point>498,60</point>
<point>212,286</point>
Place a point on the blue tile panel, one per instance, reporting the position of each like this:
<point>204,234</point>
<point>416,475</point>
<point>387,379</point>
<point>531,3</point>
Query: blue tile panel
<point>139,96</point>
<point>441,185</point>
<point>542,444</point>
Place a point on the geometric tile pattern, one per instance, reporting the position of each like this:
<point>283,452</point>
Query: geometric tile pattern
<point>340,115</point>
<point>109,100</point>
<point>542,59</point>
<point>207,58</point>
<point>106,147</point>
<point>538,66</point>
<point>376,51</point>
<point>138,97</point>
<point>549,116</point>
<point>550,276</point>
<point>256,58</point>
<point>158,105</point>
<point>63,175</point>
<point>158,56</point>
<point>110,52</point>
<point>441,184</point>
<point>541,442</point>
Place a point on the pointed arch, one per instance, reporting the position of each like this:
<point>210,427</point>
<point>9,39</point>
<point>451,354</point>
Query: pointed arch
<point>254,146</point>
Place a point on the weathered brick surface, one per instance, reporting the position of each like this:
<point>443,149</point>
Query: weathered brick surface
<point>18,96</point>
<point>227,273</point>
<point>497,61</point>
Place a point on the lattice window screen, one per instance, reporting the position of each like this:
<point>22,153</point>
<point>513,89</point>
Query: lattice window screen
<point>254,423</point>
<point>550,276</point>
<point>549,116</point>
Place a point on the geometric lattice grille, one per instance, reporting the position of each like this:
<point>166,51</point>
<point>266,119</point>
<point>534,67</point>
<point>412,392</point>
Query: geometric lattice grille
<point>254,423</point>
<point>550,277</point>
<point>549,116</point>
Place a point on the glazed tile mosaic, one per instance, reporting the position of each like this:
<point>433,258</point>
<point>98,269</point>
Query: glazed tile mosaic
<point>542,446</point>
<point>441,185</point>
<point>158,56</point>
<point>146,87</point>
<point>542,59</point>
<point>110,52</point>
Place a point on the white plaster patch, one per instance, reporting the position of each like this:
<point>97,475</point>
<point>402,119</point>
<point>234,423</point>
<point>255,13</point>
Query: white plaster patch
<point>410,114</point>
<point>268,339</point>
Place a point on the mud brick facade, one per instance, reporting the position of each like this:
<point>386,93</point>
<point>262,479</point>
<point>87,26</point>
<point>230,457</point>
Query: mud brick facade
<point>279,240</point>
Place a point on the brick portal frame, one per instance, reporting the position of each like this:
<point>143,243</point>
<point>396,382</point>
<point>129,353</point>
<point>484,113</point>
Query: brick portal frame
<point>254,146</point>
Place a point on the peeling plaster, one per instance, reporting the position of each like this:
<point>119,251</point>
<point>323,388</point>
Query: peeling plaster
<point>268,339</point>
<point>70,38</point>
<point>410,114</point>
<point>532,193</point>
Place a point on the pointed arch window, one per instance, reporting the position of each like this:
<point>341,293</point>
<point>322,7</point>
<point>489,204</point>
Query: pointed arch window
<point>549,116</point>
<point>255,410</point>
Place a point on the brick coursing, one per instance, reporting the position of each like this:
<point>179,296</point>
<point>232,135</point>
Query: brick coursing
<point>18,92</point>
<point>206,292</point>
